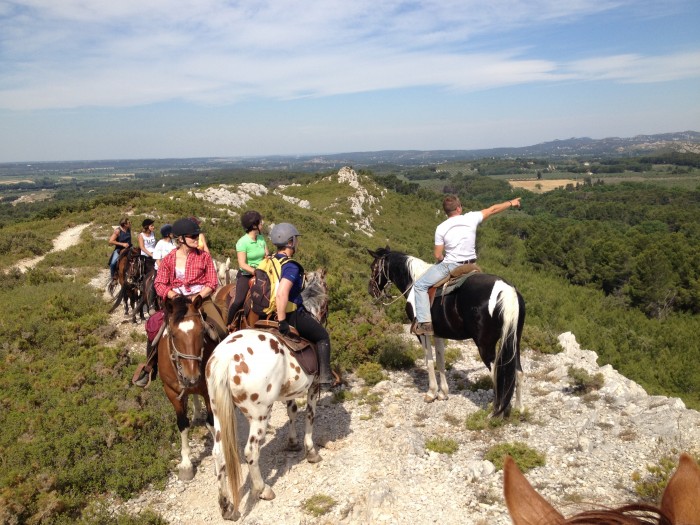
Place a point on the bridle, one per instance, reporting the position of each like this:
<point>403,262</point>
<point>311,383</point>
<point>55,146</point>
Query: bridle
<point>175,355</point>
<point>379,272</point>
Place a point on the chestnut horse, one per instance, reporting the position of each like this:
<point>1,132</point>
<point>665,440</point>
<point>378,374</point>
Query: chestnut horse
<point>484,308</point>
<point>251,369</point>
<point>183,351</point>
<point>680,504</point>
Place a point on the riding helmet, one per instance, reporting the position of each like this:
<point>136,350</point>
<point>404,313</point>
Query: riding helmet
<point>166,230</point>
<point>185,227</point>
<point>147,222</point>
<point>282,233</point>
<point>250,220</point>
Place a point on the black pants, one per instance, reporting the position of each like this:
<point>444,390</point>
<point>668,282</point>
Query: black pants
<point>242,287</point>
<point>307,325</point>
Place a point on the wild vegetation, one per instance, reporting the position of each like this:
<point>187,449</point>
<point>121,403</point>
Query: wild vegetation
<point>616,264</point>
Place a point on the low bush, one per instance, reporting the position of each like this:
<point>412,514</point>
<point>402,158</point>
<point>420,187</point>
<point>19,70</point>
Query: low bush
<point>525,457</point>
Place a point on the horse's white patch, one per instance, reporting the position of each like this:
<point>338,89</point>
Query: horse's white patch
<point>186,326</point>
<point>498,287</point>
<point>411,299</point>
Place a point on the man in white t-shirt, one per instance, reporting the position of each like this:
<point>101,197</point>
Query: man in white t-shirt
<point>455,244</point>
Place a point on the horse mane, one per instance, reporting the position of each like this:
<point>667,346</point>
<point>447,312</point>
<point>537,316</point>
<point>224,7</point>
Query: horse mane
<point>315,295</point>
<point>635,514</point>
<point>179,308</point>
<point>415,267</point>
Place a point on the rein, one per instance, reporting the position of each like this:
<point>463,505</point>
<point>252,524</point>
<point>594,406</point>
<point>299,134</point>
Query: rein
<point>382,272</point>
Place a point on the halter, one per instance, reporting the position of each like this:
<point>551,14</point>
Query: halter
<point>176,355</point>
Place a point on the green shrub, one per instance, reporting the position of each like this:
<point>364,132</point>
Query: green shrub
<point>540,339</point>
<point>397,354</point>
<point>651,487</point>
<point>371,373</point>
<point>484,382</point>
<point>452,355</point>
<point>318,505</point>
<point>442,445</point>
<point>525,457</point>
<point>583,382</point>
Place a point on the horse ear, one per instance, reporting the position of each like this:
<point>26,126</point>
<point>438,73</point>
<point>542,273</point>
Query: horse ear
<point>525,505</point>
<point>373,254</point>
<point>169,305</point>
<point>197,302</point>
<point>681,499</point>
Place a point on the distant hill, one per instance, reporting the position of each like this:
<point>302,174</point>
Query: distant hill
<point>686,142</point>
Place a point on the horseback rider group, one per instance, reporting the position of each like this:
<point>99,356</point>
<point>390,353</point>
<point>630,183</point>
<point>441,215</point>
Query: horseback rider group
<point>185,269</point>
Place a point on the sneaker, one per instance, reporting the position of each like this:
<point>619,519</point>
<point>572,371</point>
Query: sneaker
<point>142,380</point>
<point>424,329</point>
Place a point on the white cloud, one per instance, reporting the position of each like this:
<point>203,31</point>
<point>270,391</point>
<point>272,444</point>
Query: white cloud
<point>75,53</point>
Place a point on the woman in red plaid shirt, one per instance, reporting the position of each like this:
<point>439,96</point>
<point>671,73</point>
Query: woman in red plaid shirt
<point>185,271</point>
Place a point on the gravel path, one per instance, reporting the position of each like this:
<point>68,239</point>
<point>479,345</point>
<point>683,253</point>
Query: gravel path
<point>65,240</point>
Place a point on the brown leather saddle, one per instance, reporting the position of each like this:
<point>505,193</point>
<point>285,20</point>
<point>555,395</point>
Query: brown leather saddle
<point>302,350</point>
<point>454,280</point>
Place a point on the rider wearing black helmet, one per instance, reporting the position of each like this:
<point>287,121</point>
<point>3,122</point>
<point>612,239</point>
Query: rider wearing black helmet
<point>250,250</point>
<point>286,238</point>
<point>186,271</point>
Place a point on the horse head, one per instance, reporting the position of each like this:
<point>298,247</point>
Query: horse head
<point>680,504</point>
<point>134,266</point>
<point>185,338</point>
<point>315,295</point>
<point>379,277</point>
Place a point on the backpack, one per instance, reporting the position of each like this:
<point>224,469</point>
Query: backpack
<point>263,287</point>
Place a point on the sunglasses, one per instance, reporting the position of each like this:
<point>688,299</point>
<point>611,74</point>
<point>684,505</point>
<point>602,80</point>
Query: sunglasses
<point>191,236</point>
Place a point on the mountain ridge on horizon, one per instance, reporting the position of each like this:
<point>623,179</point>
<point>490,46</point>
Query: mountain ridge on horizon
<point>683,141</point>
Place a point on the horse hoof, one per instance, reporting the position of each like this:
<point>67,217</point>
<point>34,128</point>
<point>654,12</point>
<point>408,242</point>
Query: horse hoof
<point>230,514</point>
<point>442,397</point>
<point>313,457</point>
<point>185,474</point>
<point>267,494</point>
<point>428,398</point>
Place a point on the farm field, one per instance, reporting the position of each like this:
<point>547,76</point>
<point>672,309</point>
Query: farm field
<point>542,185</point>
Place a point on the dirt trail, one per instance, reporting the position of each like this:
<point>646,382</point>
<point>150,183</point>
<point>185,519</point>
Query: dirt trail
<point>64,241</point>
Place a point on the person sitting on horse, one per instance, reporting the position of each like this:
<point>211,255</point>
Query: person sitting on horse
<point>290,305</point>
<point>185,271</point>
<point>455,244</point>
<point>147,243</point>
<point>165,245</point>
<point>251,248</point>
<point>120,239</point>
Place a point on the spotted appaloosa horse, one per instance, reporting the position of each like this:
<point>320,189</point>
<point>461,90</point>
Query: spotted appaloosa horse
<point>183,351</point>
<point>680,504</point>
<point>484,308</point>
<point>251,369</point>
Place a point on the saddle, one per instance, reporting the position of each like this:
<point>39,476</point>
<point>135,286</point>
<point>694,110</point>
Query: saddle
<point>453,281</point>
<point>303,351</point>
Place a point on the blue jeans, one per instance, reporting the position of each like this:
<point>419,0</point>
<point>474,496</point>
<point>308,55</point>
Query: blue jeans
<point>113,263</point>
<point>434,274</point>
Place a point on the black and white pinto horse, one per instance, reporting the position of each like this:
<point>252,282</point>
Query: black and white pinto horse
<point>484,308</point>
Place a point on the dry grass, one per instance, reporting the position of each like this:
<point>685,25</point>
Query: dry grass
<point>541,186</point>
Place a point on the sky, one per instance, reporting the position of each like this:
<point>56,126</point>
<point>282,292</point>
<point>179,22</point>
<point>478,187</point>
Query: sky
<point>133,79</point>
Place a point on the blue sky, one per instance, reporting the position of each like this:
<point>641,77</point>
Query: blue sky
<point>105,79</point>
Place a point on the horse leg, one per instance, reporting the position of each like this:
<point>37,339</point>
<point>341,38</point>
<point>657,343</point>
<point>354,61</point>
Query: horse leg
<point>312,455</point>
<point>256,438</point>
<point>431,394</point>
<point>519,375</point>
<point>185,470</point>
<point>292,441</point>
<point>444,390</point>
<point>197,414</point>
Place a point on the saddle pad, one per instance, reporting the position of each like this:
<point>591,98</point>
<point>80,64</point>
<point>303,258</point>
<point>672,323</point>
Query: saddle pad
<point>449,285</point>
<point>153,324</point>
<point>302,350</point>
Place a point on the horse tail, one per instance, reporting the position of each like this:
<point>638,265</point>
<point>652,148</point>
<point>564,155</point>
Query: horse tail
<point>506,362</point>
<point>225,409</point>
<point>120,297</point>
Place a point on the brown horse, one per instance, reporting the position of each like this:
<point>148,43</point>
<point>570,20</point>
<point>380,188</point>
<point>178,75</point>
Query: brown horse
<point>680,504</point>
<point>183,351</point>
<point>130,276</point>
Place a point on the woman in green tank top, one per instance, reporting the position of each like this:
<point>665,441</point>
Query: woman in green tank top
<point>251,248</point>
